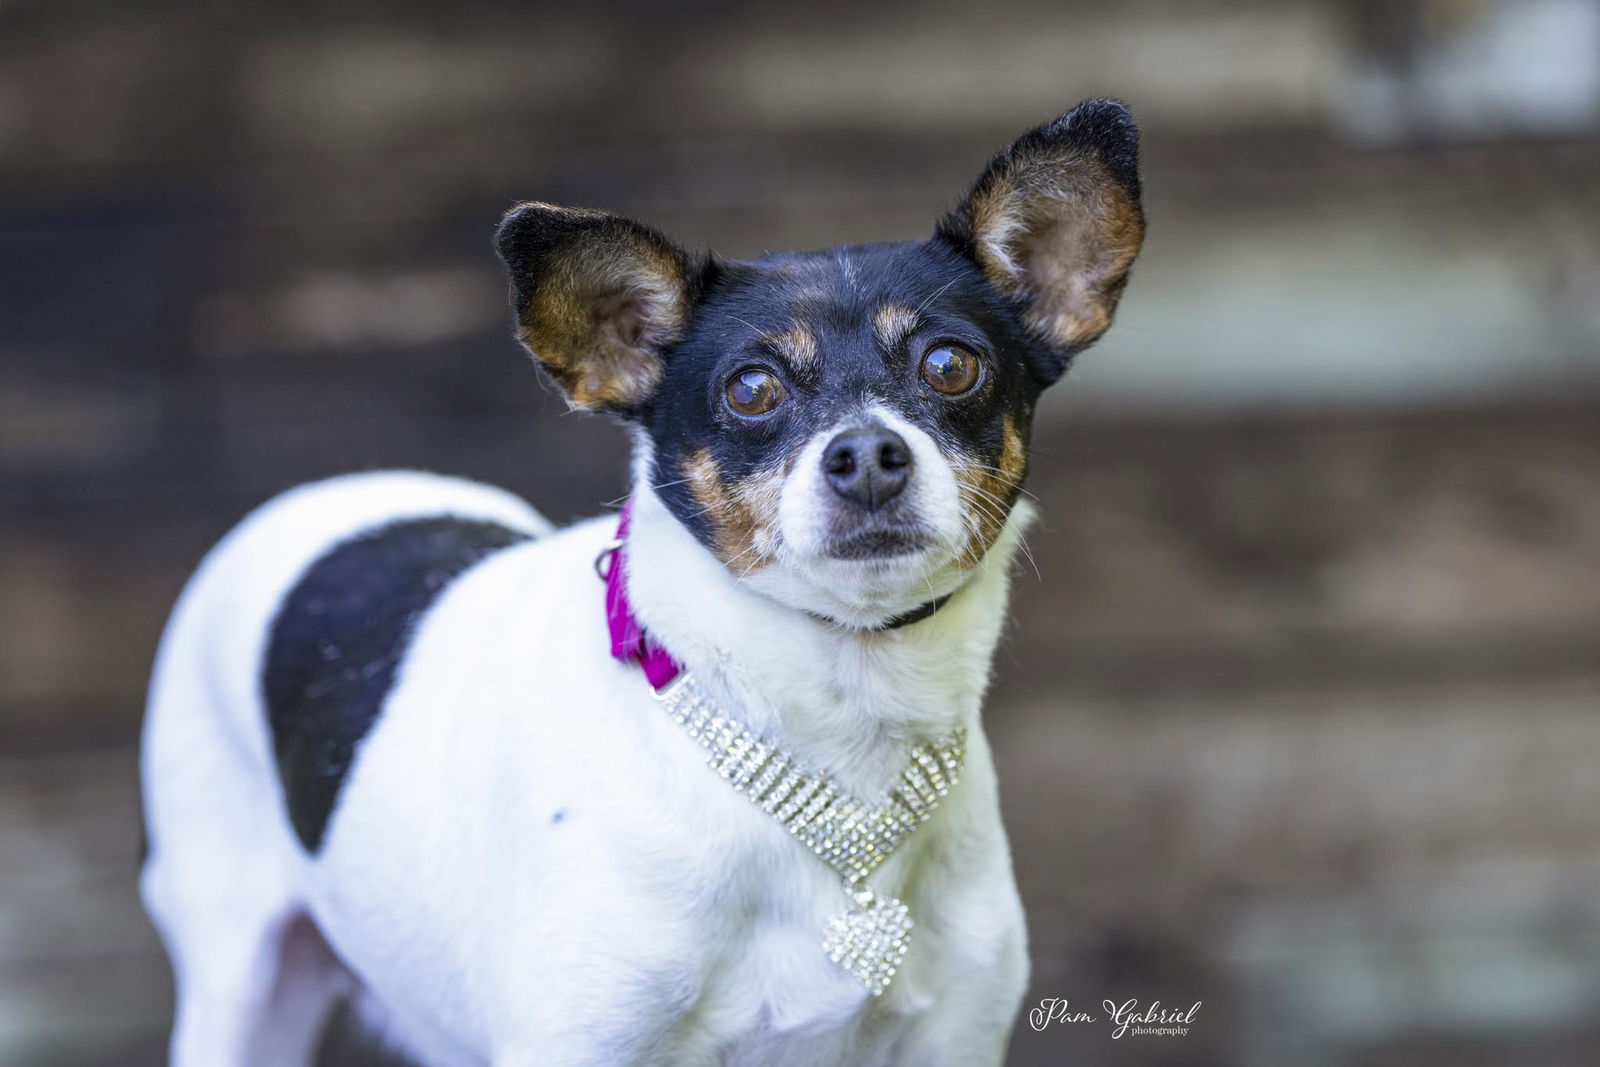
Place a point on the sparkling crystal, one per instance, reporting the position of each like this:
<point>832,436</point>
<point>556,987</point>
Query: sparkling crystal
<point>869,940</point>
<point>853,837</point>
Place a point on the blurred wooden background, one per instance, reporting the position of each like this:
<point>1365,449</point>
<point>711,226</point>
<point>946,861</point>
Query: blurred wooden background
<point>1300,714</point>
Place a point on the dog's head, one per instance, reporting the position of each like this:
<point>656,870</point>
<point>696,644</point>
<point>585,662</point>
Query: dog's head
<point>846,430</point>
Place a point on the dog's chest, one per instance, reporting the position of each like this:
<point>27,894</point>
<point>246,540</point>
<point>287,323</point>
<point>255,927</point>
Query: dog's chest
<point>528,839</point>
<point>621,882</point>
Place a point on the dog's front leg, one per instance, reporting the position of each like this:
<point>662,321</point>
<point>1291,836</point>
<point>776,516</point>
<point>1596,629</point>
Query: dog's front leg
<point>977,936</point>
<point>577,1053</point>
<point>971,1026</point>
<point>639,1016</point>
<point>589,1050</point>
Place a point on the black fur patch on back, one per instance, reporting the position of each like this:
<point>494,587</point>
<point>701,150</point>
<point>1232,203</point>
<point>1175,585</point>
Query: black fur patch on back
<point>338,640</point>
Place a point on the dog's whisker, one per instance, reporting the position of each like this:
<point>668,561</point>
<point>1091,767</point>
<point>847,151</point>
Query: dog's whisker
<point>753,563</point>
<point>990,504</point>
<point>987,504</point>
<point>940,292</point>
<point>1027,552</point>
<point>1008,475</point>
<point>703,511</point>
<point>981,489</point>
<point>1000,504</point>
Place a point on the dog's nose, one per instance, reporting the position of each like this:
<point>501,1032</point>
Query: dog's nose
<point>868,467</point>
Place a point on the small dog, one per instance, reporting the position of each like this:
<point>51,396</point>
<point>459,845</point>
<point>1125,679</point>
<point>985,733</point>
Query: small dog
<point>405,748</point>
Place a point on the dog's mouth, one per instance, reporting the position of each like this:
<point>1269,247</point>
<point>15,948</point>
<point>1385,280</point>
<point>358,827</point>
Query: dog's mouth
<point>879,543</point>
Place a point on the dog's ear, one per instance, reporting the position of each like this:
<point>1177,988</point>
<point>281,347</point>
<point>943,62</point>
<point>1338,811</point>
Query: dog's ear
<point>1055,222</point>
<point>599,301</point>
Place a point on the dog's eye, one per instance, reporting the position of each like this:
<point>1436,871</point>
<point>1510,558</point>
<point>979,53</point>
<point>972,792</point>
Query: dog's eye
<point>754,391</point>
<point>950,369</point>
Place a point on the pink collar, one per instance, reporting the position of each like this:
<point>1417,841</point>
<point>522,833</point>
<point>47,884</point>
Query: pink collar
<point>628,638</point>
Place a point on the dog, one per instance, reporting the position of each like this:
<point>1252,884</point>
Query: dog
<point>715,790</point>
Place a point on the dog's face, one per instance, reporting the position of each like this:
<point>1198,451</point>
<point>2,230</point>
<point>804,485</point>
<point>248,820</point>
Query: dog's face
<point>845,430</point>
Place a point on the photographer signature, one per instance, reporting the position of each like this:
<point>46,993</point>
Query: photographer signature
<point>1125,1018</point>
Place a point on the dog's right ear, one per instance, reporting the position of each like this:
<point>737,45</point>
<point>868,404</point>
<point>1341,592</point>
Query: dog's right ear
<point>599,300</point>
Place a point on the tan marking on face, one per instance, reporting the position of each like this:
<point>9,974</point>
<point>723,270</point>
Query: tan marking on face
<point>893,323</point>
<point>1061,235</point>
<point>797,345</point>
<point>987,493</point>
<point>743,516</point>
<point>598,318</point>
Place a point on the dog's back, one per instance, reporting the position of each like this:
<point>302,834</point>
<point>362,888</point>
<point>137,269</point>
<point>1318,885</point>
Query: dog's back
<point>240,756</point>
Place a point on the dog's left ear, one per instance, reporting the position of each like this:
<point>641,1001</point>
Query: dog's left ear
<point>1055,222</point>
<point>599,298</point>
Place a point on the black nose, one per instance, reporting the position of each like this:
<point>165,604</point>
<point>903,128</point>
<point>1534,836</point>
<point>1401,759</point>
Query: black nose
<point>869,467</point>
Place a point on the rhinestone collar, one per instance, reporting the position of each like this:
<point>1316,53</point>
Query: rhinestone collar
<point>852,836</point>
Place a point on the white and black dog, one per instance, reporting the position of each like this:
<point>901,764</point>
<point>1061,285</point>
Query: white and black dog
<point>405,747</point>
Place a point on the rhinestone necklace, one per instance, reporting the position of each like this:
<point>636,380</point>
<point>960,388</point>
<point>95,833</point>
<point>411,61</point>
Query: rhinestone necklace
<point>852,836</point>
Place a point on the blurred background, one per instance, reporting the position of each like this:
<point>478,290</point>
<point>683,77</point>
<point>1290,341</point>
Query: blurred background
<point>1300,715</point>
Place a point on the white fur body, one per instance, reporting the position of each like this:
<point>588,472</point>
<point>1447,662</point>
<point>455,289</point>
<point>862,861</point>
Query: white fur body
<point>529,862</point>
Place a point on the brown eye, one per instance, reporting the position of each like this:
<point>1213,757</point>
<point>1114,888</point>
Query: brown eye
<point>950,369</point>
<point>754,391</point>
